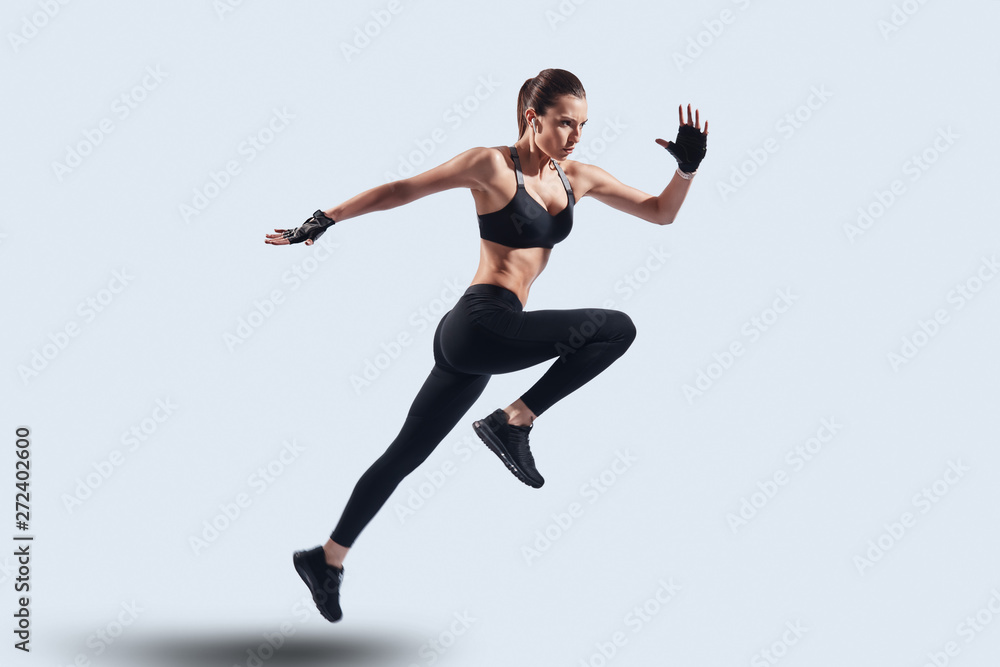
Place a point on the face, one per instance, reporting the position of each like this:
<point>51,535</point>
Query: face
<point>561,126</point>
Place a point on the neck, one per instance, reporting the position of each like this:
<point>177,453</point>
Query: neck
<point>533,159</point>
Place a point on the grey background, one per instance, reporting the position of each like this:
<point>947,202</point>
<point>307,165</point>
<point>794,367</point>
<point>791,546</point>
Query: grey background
<point>666,518</point>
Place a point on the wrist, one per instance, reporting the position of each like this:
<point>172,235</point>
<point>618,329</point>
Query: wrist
<point>324,217</point>
<point>686,175</point>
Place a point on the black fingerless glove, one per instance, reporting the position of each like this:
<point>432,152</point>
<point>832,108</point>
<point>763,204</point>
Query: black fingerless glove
<point>313,228</point>
<point>689,148</point>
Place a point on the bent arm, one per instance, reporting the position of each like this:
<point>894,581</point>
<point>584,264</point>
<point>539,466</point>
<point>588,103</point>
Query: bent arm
<point>660,210</point>
<point>468,169</point>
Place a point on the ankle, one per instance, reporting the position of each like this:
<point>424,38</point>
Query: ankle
<point>524,421</point>
<point>517,418</point>
<point>332,558</point>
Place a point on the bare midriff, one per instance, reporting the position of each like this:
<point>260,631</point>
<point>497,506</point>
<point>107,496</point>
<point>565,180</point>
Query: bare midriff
<point>513,268</point>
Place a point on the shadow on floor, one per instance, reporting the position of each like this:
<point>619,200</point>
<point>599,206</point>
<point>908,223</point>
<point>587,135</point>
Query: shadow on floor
<point>249,649</point>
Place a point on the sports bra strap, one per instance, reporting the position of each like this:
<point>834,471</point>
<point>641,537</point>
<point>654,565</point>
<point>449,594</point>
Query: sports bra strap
<point>569,190</point>
<point>517,165</point>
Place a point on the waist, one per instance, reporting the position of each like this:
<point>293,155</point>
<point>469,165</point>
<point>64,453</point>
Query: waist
<point>497,291</point>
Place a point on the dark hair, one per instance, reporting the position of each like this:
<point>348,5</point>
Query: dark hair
<point>542,92</point>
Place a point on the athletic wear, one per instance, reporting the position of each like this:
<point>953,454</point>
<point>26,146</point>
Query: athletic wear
<point>313,228</point>
<point>485,333</point>
<point>510,443</point>
<point>689,148</point>
<point>322,579</point>
<point>523,222</point>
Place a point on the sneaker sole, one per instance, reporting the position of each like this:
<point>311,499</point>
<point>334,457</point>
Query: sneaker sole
<point>306,573</point>
<point>490,439</point>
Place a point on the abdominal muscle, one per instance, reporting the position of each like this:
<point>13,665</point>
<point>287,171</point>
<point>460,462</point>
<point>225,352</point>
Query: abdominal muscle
<point>513,268</point>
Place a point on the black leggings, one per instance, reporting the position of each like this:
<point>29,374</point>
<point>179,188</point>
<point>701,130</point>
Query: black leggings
<point>485,333</point>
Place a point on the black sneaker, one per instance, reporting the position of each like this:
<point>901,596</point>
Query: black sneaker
<point>510,443</point>
<point>322,579</point>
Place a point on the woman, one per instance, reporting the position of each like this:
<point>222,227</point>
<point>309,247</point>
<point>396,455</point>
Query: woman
<point>524,196</point>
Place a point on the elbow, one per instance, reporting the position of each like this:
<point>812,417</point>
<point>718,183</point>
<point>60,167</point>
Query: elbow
<point>664,216</point>
<point>395,191</point>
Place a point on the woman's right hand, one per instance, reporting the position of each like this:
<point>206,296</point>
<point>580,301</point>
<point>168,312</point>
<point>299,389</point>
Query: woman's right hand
<point>309,231</point>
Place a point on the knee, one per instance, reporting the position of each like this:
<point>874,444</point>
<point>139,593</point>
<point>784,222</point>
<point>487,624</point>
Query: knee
<point>621,327</point>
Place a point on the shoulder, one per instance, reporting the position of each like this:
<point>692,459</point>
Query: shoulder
<point>487,153</point>
<point>578,169</point>
<point>497,156</point>
<point>480,156</point>
<point>583,176</point>
<point>489,164</point>
<point>485,161</point>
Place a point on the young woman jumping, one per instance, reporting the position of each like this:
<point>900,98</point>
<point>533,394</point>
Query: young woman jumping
<point>524,196</point>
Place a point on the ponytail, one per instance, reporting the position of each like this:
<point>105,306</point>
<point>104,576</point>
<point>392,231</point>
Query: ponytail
<point>541,92</point>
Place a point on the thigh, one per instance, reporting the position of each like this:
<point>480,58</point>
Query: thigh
<point>503,340</point>
<point>442,401</point>
<point>446,395</point>
<point>539,335</point>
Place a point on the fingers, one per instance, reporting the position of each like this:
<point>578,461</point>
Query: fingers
<point>695,122</point>
<point>680,113</point>
<point>276,239</point>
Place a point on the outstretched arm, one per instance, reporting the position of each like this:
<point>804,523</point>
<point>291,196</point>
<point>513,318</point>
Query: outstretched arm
<point>662,209</point>
<point>467,169</point>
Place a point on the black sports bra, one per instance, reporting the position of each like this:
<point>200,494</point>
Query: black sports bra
<point>523,222</point>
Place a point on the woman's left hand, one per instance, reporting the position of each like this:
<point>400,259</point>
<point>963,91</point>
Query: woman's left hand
<point>691,144</point>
